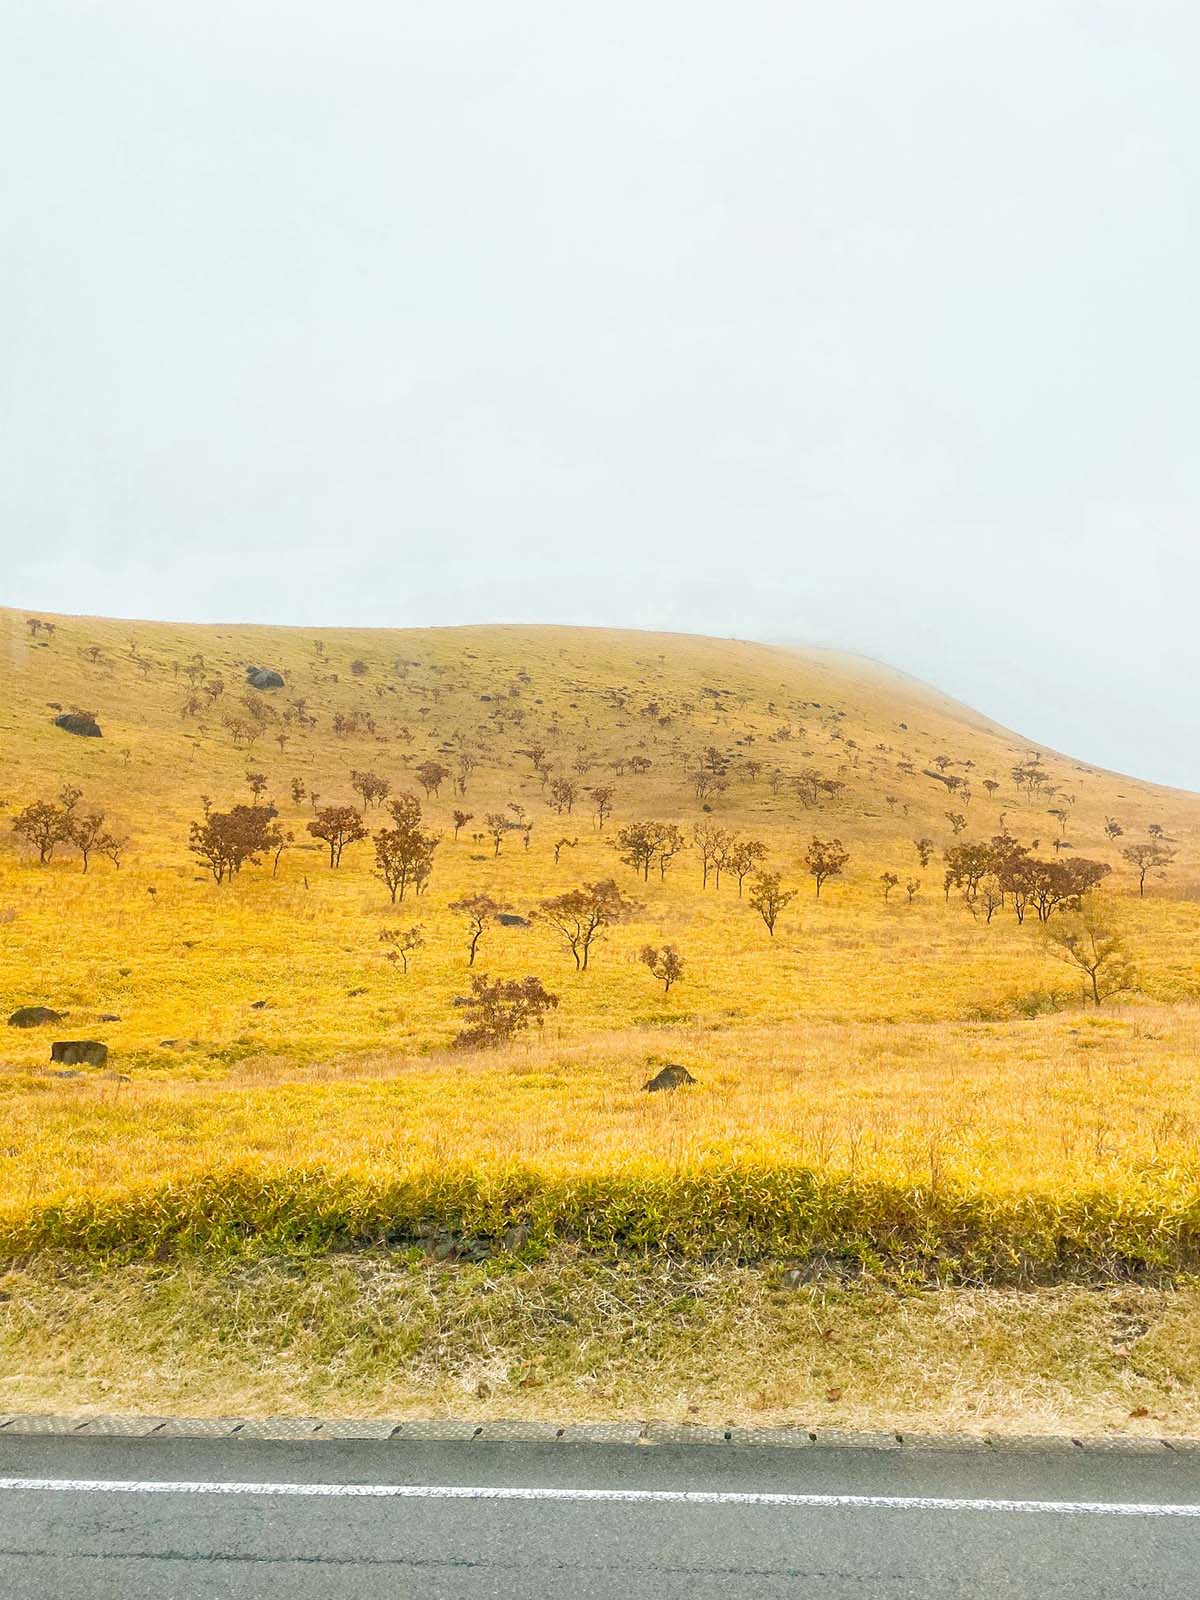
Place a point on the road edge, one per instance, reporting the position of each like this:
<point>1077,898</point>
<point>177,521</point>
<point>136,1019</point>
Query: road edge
<point>499,1431</point>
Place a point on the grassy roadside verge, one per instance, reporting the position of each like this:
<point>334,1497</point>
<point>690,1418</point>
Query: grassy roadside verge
<point>718,1212</point>
<point>573,1336</point>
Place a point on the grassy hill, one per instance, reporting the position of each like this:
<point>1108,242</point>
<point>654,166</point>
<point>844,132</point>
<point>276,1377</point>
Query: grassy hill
<point>177,956</point>
<point>892,1085</point>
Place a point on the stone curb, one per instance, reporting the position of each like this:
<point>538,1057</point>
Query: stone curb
<point>643,1434</point>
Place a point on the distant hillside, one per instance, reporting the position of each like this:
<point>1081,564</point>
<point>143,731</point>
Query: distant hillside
<point>771,744</point>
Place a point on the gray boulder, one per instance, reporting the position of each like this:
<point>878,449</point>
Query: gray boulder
<point>264,678</point>
<point>672,1076</point>
<point>33,1016</point>
<point>79,1052</point>
<point>81,722</point>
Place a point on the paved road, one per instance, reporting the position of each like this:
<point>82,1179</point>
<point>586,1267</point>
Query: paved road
<point>182,1519</point>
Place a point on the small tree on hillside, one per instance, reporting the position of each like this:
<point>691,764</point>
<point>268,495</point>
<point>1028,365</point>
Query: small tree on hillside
<point>602,804</point>
<point>86,831</point>
<point>226,840</point>
<point>744,857</point>
<point>1089,943</point>
<point>925,848</point>
<point>769,898</point>
<point>373,789</point>
<point>889,880</point>
<point>460,820</point>
<point>666,964</point>
<point>713,843</point>
<point>1146,858</point>
<point>637,845</point>
<point>825,858</point>
<point>404,856</point>
<point>563,795</point>
<point>499,1009</point>
<point>338,826</point>
<point>563,844</point>
<point>497,826</point>
<point>401,943</point>
<point>43,825</point>
<point>431,775</point>
<point>581,916</point>
<point>480,910</point>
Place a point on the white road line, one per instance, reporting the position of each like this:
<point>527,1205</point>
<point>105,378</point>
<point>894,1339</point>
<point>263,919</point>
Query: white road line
<point>687,1497</point>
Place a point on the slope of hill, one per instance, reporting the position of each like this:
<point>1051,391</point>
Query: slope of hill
<point>901,1080</point>
<point>796,745</point>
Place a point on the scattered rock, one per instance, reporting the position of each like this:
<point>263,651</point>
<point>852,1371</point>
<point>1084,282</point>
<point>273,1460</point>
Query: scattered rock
<point>515,1238</point>
<point>461,1000</point>
<point>81,722</point>
<point>117,1077</point>
<point>671,1077</point>
<point>510,919</point>
<point>65,1074</point>
<point>79,1052</point>
<point>170,1044</point>
<point>352,993</point>
<point>264,678</point>
<point>33,1016</point>
<point>259,1005</point>
<point>108,1016</point>
<point>443,1247</point>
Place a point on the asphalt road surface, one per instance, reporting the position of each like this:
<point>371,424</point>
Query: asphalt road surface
<point>193,1519</point>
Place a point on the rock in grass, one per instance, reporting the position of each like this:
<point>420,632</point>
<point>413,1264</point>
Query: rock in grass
<point>672,1076</point>
<point>81,722</point>
<point>510,919</point>
<point>33,1016</point>
<point>264,678</point>
<point>79,1052</point>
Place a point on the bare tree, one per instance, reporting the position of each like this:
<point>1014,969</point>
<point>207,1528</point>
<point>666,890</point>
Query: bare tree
<point>561,845</point>
<point>43,825</point>
<point>373,789</point>
<point>460,820</point>
<point>769,898</point>
<point>912,889</point>
<point>563,795</point>
<point>666,964</point>
<point>1094,947</point>
<point>712,842</point>
<point>602,804</point>
<point>466,766</point>
<point>1146,858</point>
<point>889,880</point>
<point>925,849</point>
<point>744,857</point>
<point>498,1009</point>
<point>637,845</point>
<point>431,775</point>
<point>497,825</point>
<point>338,826</point>
<point>226,840</point>
<point>581,916</point>
<point>401,943</point>
<point>480,911</point>
<point>404,853</point>
<point>825,858</point>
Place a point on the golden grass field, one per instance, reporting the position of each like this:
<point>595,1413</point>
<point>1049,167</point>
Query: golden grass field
<point>891,1087</point>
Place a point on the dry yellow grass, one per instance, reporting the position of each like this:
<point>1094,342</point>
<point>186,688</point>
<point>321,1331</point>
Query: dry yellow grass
<point>873,1042</point>
<point>575,1337</point>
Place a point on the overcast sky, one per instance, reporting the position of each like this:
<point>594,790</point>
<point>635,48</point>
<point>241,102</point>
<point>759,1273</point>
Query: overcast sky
<point>843,321</point>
